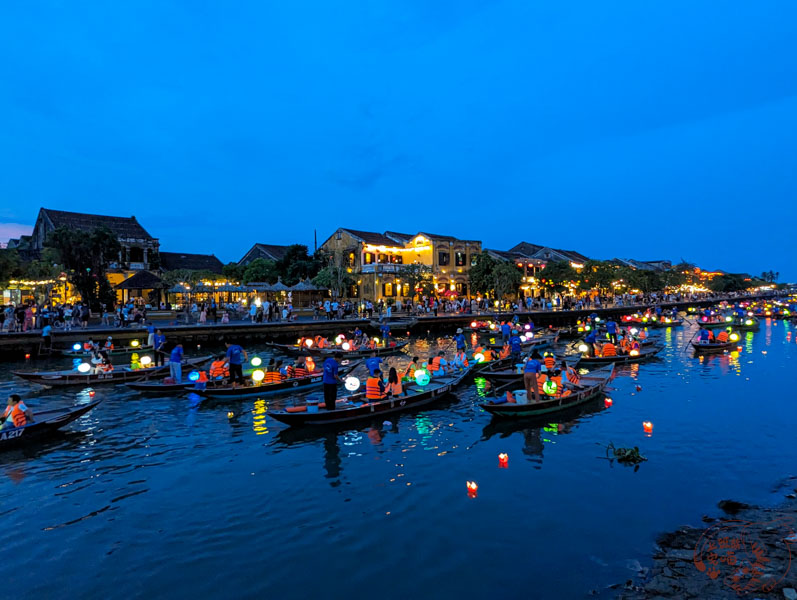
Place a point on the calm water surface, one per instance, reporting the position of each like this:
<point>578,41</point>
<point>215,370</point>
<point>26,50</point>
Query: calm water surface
<point>147,497</point>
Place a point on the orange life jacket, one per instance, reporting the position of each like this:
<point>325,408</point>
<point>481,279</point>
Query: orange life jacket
<point>299,372</point>
<point>272,377</point>
<point>722,337</point>
<point>86,346</point>
<point>462,359</point>
<point>410,370</point>
<point>107,367</point>
<point>572,375</point>
<point>510,397</point>
<point>203,376</point>
<point>396,388</point>
<point>372,391</point>
<point>505,351</point>
<point>108,346</point>
<point>489,355</point>
<point>635,345</point>
<point>217,369</point>
<point>609,350</point>
<point>550,362</point>
<point>436,364</point>
<point>18,417</point>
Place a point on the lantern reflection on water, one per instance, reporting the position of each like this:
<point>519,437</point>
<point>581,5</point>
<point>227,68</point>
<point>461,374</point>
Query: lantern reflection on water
<point>473,489</point>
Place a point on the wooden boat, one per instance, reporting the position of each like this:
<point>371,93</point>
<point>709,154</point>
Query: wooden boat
<point>159,387</point>
<point>295,350</point>
<point>45,422</point>
<point>706,347</point>
<point>123,351</point>
<point>270,389</point>
<point>398,323</point>
<point>644,354</point>
<point>118,375</point>
<point>665,322</point>
<point>592,384</point>
<point>357,408</point>
<point>532,344</point>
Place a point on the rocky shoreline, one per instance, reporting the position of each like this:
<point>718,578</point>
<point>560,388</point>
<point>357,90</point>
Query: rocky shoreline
<point>746,552</point>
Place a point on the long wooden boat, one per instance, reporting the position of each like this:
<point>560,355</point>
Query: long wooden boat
<point>706,347</point>
<point>118,375</point>
<point>357,408</point>
<point>532,344</point>
<point>123,351</point>
<point>44,422</point>
<point>285,386</point>
<point>397,323</point>
<point>739,324</point>
<point>159,387</point>
<point>644,354</point>
<point>295,350</point>
<point>665,322</point>
<point>592,384</point>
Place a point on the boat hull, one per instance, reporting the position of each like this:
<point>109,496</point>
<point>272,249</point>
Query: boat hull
<point>45,422</point>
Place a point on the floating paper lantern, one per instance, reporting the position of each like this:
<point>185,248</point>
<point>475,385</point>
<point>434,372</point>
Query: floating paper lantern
<point>84,367</point>
<point>607,402</point>
<point>256,361</point>
<point>523,338</point>
<point>230,415</point>
<point>258,375</point>
<point>634,352</point>
<point>422,377</point>
<point>647,426</point>
<point>352,384</point>
<point>473,489</point>
<point>91,393</point>
<point>193,376</point>
<point>503,460</point>
<point>527,327</point>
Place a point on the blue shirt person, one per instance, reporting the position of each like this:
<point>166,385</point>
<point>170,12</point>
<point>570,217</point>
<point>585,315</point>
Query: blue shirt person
<point>373,364</point>
<point>459,339</point>
<point>175,363</point>
<point>331,371</point>
<point>235,354</point>
<point>611,327</point>
<point>515,344</point>
<point>385,329</point>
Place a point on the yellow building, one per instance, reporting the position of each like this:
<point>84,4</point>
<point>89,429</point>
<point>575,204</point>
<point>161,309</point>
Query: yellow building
<point>377,260</point>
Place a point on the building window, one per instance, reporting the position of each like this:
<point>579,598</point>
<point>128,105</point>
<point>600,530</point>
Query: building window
<point>405,290</point>
<point>474,258</point>
<point>462,289</point>
<point>369,258</point>
<point>388,290</point>
<point>382,259</point>
<point>443,258</point>
<point>354,292</point>
<point>351,259</point>
<point>459,257</point>
<point>397,259</point>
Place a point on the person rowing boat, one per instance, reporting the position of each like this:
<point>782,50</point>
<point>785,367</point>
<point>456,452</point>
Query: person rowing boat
<point>17,414</point>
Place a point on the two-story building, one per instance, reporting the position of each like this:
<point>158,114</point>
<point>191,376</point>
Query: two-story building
<point>377,260</point>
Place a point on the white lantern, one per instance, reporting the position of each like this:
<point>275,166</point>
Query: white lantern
<point>84,367</point>
<point>352,384</point>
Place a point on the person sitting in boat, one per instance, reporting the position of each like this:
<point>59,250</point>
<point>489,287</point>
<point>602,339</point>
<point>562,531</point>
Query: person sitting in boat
<point>549,361</point>
<point>623,344</point>
<point>634,346</point>
<point>108,344</point>
<point>722,337</point>
<point>609,350</point>
<point>299,368</point>
<point>375,387</point>
<point>106,366</point>
<point>218,368</point>
<point>394,386</point>
<point>489,355</point>
<point>272,374</point>
<point>438,366</point>
<point>90,345</point>
<point>16,413</point>
<point>282,369</point>
<point>409,372</point>
<point>460,360</point>
<point>571,375</point>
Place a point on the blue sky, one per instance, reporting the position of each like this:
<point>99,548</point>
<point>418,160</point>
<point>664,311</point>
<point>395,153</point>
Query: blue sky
<point>615,128</point>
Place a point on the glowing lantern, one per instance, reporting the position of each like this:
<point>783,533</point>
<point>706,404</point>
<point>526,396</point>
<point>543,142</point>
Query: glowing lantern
<point>492,325</point>
<point>473,489</point>
<point>376,340</point>
<point>639,388</point>
<point>587,328</point>
<point>135,343</point>
<point>728,319</point>
<point>310,364</point>
<point>607,402</point>
<point>523,338</point>
<point>647,426</point>
<point>352,384</point>
<point>549,387</point>
<point>308,343</point>
<point>748,322</point>
<point>473,325</point>
<point>734,337</point>
<point>634,331</point>
<point>84,367</point>
<point>193,376</point>
<point>339,339</point>
<point>230,415</point>
<point>256,361</point>
<point>583,348</point>
<point>422,377</point>
<point>346,346</point>
<point>478,357</point>
<point>749,313</point>
<point>503,460</point>
<point>91,393</point>
<point>146,361</point>
<point>527,327</point>
<point>597,319</point>
<point>739,348</point>
<point>258,375</point>
<point>634,352</point>
<point>27,357</point>
<point>76,347</point>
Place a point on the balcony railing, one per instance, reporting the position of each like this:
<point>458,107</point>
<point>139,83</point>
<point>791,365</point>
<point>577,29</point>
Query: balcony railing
<point>380,268</point>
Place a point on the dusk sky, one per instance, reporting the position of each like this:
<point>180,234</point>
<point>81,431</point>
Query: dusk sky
<point>634,129</point>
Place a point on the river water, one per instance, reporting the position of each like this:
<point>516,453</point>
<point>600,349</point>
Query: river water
<point>149,497</point>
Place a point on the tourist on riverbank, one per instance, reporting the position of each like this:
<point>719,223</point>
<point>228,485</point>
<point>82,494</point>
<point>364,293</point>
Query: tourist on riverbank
<point>176,363</point>
<point>331,379</point>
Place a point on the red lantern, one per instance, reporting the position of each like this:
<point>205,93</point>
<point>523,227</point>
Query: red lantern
<point>648,427</point>
<point>91,393</point>
<point>607,402</point>
<point>503,460</point>
<point>27,357</point>
<point>473,489</point>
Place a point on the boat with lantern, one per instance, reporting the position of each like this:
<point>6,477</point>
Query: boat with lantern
<point>295,384</point>
<point>707,347</point>
<point>122,351</point>
<point>118,375</point>
<point>357,408</point>
<point>591,384</point>
<point>44,422</point>
<point>645,353</point>
<point>296,350</point>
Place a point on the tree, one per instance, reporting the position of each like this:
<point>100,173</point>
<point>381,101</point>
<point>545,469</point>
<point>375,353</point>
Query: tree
<point>729,282</point>
<point>86,257</point>
<point>490,276</point>
<point>598,274</point>
<point>297,264</point>
<point>335,278</point>
<point>10,265</point>
<point>557,275</point>
<point>417,276</point>
<point>233,271</point>
<point>261,269</point>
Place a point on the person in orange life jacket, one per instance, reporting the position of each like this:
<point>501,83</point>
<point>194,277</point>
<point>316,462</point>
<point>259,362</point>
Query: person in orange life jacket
<point>16,413</point>
<point>438,365</point>
<point>109,343</point>
<point>217,370</point>
<point>414,365</point>
<point>299,368</point>
<point>531,372</point>
<point>373,363</point>
<point>722,337</point>
<point>571,376</point>
<point>375,387</point>
<point>460,360</point>
<point>549,361</point>
<point>282,369</point>
<point>489,355</point>
<point>394,386</point>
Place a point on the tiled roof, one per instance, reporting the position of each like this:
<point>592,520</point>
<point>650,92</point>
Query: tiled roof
<point>400,237</point>
<point>123,227</point>
<point>172,261</point>
<point>143,280</point>
<point>273,251</point>
<point>371,237</point>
